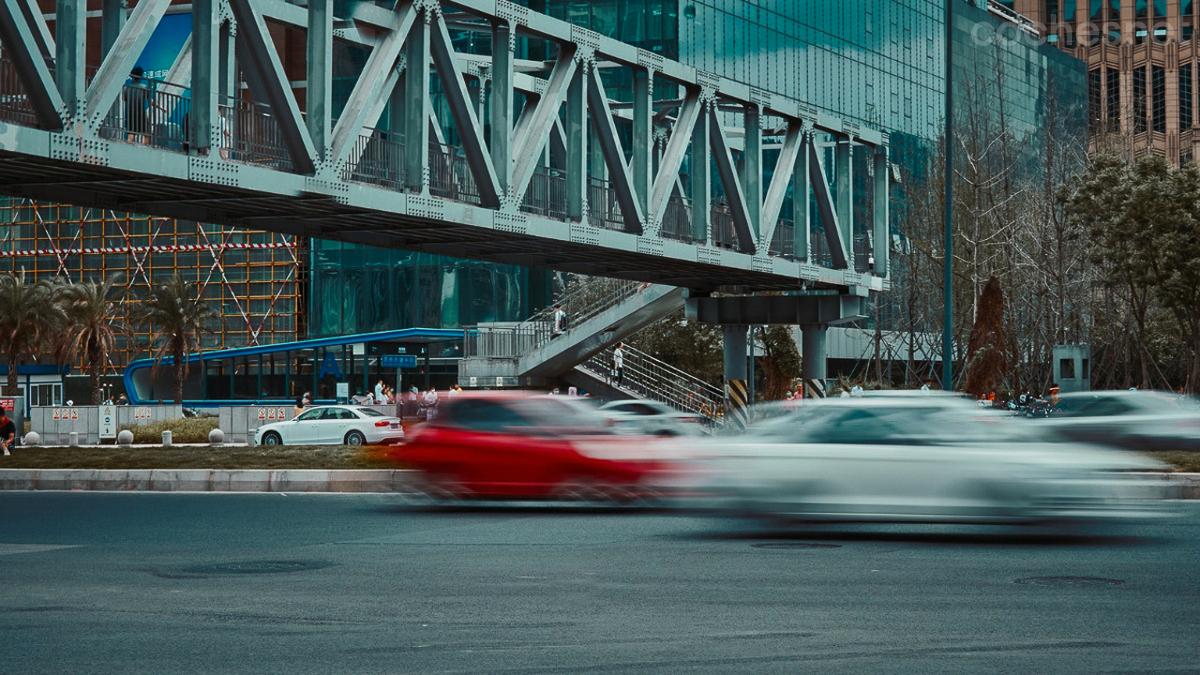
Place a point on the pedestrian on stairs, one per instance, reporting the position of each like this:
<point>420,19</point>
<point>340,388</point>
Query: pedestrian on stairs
<point>618,372</point>
<point>560,320</point>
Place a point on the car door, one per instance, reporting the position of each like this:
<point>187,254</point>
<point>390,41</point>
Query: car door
<point>304,428</point>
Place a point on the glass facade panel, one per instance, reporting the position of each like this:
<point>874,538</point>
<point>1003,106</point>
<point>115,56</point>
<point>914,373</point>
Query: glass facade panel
<point>1139,100</point>
<point>1094,112</point>
<point>1113,98</point>
<point>1158,86</point>
<point>1185,96</point>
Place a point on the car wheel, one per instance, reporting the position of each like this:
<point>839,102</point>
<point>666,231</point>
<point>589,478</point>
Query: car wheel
<point>355,438</point>
<point>272,438</point>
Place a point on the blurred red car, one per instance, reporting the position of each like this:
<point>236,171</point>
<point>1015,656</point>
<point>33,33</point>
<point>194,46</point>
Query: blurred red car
<point>511,445</point>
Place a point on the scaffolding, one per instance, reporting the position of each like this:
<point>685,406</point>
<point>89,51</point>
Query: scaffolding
<point>256,279</point>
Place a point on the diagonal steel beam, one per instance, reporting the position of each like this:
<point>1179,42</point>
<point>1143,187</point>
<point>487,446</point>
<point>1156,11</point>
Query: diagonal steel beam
<point>261,63</point>
<point>672,159</point>
<point>533,136</point>
<point>20,45</point>
<point>106,86</point>
<point>825,207</point>
<point>614,154</point>
<point>785,167</point>
<point>441,49</point>
<point>37,26</point>
<point>734,194</point>
<point>378,79</point>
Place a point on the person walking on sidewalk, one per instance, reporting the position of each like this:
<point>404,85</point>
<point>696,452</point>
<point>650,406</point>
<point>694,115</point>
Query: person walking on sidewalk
<point>8,432</point>
<point>618,373</point>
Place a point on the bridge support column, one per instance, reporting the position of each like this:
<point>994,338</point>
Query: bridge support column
<point>813,368</point>
<point>736,391</point>
<point>112,20</point>
<point>70,33</point>
<point>501,101</point>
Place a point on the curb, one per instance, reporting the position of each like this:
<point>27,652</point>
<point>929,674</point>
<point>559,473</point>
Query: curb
<point>205,480</point>
<point>1178,485</point>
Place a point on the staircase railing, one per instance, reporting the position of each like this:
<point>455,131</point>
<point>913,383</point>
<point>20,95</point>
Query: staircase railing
<point>645,376</point>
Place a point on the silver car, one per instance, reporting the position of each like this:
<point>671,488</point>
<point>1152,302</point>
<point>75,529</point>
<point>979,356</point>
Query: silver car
<point>653,418</point>
<point>1135,420</point>
<point>935,459</point>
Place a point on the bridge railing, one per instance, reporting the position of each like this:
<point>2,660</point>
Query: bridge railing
<point>151,112</point>
<point>250,133</point>
<point>378,159</point>
<point>14,103</point>
<point>645,376</point>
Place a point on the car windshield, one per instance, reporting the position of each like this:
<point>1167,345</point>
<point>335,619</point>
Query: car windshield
<point>890,424</point>
<point>368,412</point>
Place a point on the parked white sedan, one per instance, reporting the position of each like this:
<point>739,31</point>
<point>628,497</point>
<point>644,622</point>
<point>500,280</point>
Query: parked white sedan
<point>333,425</point>
<point>920,459</point>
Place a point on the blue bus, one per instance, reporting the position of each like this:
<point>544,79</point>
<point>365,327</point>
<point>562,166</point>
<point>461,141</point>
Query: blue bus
<point>280,373</point>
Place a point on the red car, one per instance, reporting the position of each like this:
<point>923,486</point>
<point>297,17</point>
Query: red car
<point>505,445</point>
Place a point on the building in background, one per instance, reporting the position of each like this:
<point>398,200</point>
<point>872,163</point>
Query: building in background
<point>1142,66</point>
<point>879,62</point>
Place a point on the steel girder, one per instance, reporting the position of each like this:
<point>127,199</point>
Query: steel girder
<point>567,107</point>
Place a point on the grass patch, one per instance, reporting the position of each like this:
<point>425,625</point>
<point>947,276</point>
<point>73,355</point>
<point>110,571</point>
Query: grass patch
<point>1180,461</point>
<point>186,430</point>
<point>280,457</point>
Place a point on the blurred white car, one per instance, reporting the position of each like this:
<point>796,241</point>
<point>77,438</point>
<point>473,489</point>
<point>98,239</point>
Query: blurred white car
<point>935,459</point>
<point>333,425</point>
<point>1136,420</point>
<point>653,418</point>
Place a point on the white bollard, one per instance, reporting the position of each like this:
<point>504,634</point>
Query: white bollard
<point>166,438</point>
<point>125,437</point>
<point>31,439</point>
<point>74,438</point>
<point>216,437</point>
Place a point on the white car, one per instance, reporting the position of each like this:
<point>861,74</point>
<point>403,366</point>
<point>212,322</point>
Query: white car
<point>919,459</point>
<point>653,418</point>
<point>1134,420</point>
<point>333,425</point>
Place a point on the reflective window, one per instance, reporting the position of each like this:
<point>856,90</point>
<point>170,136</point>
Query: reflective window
<point>310,415</point>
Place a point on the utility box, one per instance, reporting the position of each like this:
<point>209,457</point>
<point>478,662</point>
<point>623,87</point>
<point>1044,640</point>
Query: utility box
<point>1073,367</point>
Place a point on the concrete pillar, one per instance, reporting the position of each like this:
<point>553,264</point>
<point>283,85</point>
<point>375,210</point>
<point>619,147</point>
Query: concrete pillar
<point>736,393</point>
<point>813,366</point>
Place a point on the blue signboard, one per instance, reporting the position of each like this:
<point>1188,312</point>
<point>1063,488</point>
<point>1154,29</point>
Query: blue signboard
<point>398,361</point>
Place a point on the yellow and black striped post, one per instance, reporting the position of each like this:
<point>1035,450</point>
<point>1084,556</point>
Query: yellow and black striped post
<point>737,403</point>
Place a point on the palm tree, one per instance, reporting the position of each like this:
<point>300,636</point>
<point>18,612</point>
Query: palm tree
<point>29,319</point>
<point>90,307</point>
<point>175,314</point>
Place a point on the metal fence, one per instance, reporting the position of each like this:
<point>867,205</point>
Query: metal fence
<point>449,175</point>
<point>151,112</point>
<point>250,133</point>
<point>603,209</point>
<point>547,193</point>
<point>647,377</point>
<point>14,103</point>
<point>377,159</point>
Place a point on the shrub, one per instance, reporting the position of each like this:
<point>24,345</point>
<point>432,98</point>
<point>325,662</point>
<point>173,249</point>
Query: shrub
<point>187,430</point>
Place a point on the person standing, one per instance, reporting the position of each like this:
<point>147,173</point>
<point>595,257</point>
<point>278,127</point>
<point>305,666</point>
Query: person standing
<point>299,407</point>
<point>560,320</point>
<point>431,402</point>
<point>619,363</point>
<point>379,399</point>
<point>8,432</point>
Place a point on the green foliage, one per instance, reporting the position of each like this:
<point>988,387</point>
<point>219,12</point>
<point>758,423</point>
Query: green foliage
<point>89,308</point>
<point>186,430</point>
<point>176,315</point>
<point>1143,220</point>
<point>693,347</point>
<point>780,363</point>
<point>31,320</point>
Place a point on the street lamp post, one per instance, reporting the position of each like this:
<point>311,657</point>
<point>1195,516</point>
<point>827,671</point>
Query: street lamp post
<point>948,213</point>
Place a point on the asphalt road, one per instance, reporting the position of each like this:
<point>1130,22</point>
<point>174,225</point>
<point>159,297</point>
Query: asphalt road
<point>169,583</point>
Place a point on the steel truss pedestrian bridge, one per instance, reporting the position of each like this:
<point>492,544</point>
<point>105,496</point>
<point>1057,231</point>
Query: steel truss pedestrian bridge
<point>476,128</point>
